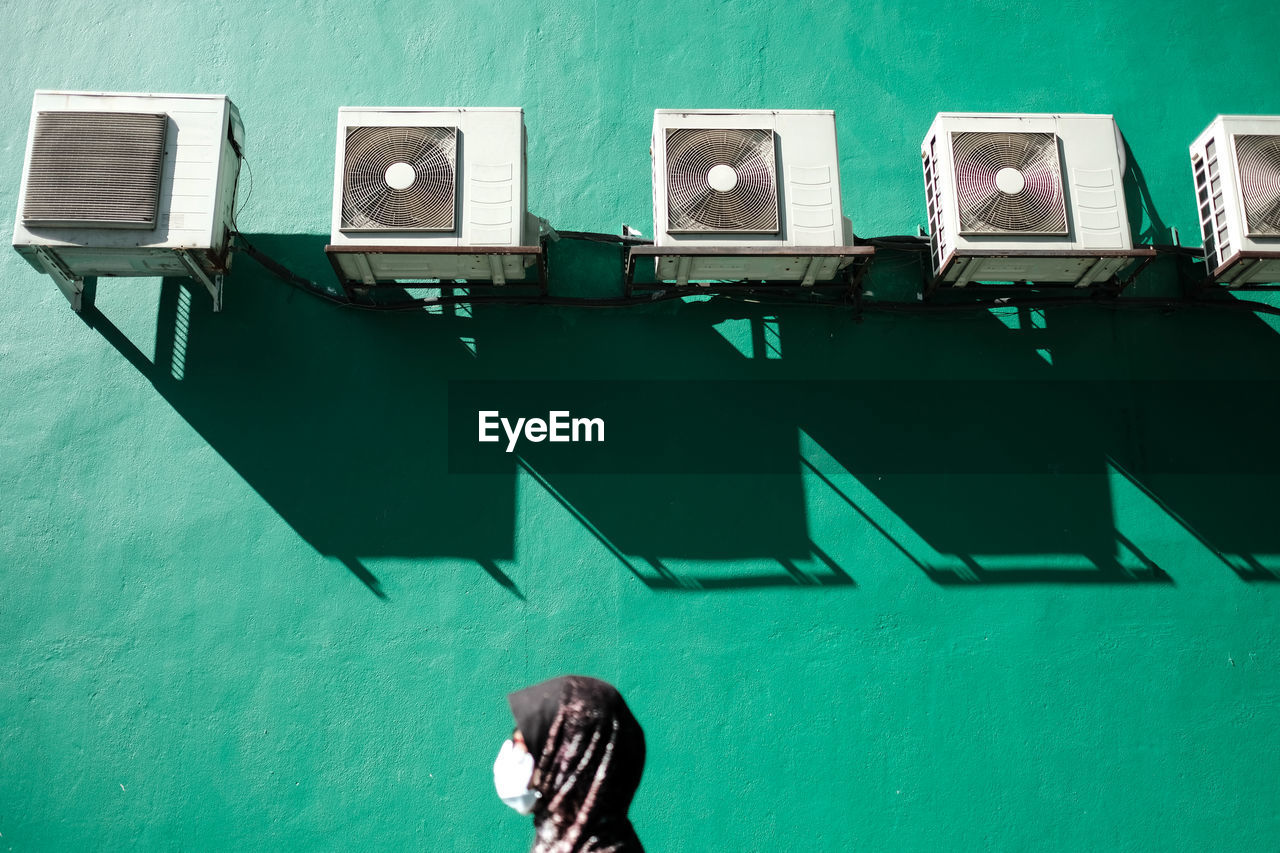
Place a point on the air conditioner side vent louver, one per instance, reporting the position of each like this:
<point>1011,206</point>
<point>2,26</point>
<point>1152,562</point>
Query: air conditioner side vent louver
<point>1258,161</point>
<point>1211,206</point>
<point>95,169</point>
<point>933,201</point>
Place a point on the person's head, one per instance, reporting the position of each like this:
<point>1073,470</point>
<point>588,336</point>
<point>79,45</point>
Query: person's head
<point>576,755</point>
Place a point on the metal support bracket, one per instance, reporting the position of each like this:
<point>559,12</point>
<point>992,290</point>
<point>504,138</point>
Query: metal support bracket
<point>493,284</point>
<point>496,274</point>
<point>966,266</point>
<point>544,275</point>
<point>71,285</point>
<point>812,257</point>
<point>628,269</point>
<point>213,283</point>
<point>1092,273</point>
<point>1237,267</point>
<point>810,271</point>
<point>853,276</point>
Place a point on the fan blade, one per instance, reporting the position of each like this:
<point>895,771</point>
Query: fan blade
<point>988,207</point>
<point>1269,216</point>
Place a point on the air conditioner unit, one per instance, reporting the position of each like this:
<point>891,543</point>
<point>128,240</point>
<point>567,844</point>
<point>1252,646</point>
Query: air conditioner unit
<point>1236,165</point>
<point>129,185</point>
<point>1026,198</point>
<point>747,194</point>
<point>431,194</point>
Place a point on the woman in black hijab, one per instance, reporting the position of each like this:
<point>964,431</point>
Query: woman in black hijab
<point>587,754</point>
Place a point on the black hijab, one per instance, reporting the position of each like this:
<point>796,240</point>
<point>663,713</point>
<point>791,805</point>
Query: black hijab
<point>588,755</point>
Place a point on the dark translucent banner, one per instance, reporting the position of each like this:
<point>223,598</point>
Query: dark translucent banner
<point>869,428</point>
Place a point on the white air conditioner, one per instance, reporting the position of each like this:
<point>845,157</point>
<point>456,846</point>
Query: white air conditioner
<point>424,193</point>
<point>1236,166</point>
<point>129,185</point>
<point>1026,198</point>
<point>741,194</point>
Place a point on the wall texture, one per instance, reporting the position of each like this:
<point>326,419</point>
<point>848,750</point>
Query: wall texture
<point>1020,595</point>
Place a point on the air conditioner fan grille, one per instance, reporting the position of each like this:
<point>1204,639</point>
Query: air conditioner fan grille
<point>1009,183</point>
<point>1258,157</point>
<point>745,202</point>
<point>399,178</point>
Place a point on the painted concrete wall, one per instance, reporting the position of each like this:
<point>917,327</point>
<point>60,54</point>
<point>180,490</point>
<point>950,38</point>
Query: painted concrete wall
<point>1035,617</point>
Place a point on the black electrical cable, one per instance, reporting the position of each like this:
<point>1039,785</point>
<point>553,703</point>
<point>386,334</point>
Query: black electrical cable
<point>285,274</point>
<point>1176,249</point>
<point>894,240</point>
<point>743,291</point>
<point>1118,303</point>
<point>663,295</point>
<point>598,237</point>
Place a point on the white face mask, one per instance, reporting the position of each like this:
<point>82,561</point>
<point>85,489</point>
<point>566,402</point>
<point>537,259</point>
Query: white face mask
<point>511,774</point>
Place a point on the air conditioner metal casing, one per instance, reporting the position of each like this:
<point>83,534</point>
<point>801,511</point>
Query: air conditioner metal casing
<point>1091,164</point>
<point>808,193</point>
<point>490,195</point>
<point>200,163</point>
<point>1235,254</point>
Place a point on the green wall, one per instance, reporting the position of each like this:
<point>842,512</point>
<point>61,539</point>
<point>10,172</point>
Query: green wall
<point>1026,600</point>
